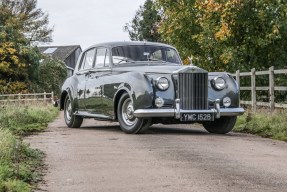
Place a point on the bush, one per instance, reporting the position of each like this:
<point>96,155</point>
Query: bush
<point>52,72</point>
<point>12,87</point>
<point>16,163</point>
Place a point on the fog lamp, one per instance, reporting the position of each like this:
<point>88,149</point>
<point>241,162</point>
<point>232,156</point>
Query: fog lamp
<point>159,102</point>
<point>226,101</point>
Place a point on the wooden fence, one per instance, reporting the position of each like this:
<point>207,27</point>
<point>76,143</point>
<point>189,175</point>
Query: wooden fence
<point>271,88</point>
<point>31,97</point>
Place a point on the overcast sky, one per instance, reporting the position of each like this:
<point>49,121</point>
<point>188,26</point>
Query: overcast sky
<point>88,22</point>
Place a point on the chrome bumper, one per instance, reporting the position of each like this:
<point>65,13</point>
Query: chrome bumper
<point>218,112</point>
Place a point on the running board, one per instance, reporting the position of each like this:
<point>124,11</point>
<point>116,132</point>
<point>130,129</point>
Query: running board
<point>91,115</point>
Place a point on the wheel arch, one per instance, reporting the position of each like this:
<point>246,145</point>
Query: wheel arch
<point>62,99</point>
<point>117,97</point>
<point>63,96</point>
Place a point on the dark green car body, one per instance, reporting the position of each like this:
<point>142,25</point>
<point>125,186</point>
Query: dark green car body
<point>98,84</point>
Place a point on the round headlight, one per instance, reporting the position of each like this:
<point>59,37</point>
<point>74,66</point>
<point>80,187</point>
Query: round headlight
<point>218,83</point>
<point>162,83</point>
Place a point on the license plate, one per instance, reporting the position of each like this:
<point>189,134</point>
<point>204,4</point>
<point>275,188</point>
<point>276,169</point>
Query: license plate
<point>197,117</point>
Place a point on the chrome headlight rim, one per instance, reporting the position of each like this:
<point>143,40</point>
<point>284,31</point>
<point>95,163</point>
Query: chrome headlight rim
<point>218,83</point>
<point>161,85</point>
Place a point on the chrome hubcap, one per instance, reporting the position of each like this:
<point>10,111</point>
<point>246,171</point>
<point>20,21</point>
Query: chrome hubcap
<point>128,113</point>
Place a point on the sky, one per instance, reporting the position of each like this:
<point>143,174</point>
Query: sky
<point>88,22</point>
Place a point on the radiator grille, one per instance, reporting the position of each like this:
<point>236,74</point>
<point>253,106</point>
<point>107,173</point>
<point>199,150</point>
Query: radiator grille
<point>193,91</point>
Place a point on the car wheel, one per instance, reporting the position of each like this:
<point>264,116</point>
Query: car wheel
<point>128,122</point>
<point>71,120</point>
<point>220,126</point>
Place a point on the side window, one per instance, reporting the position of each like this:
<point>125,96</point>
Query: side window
<point>88,60</point>
<point>100,57</point>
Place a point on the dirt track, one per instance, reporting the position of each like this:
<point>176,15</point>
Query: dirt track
<point>99,157</point>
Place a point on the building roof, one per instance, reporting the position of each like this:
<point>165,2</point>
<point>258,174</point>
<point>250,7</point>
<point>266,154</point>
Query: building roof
<point>59,52</point>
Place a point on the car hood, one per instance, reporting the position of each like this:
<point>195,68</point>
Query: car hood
<point>163,68</point>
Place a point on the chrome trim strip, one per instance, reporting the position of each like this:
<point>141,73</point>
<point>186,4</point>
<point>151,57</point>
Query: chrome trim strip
<point>154,113</point>
<point>217,108</point>
<point>175,113</point>
<point>177,108</point>
<point>231,111</point>
<point>91,115</point>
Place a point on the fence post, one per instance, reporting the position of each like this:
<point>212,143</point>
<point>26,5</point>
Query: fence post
<point>19,97</point>
<point>238,82</point>
<point>45,97</point>
<point>271,89</point>
<point>253,89</point>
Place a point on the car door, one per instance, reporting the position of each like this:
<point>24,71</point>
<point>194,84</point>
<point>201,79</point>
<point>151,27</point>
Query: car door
<point>95,82</point>
<point>82,77</point>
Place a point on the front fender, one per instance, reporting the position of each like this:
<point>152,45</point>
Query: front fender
<point>139,87</point>
<point>232,89</point>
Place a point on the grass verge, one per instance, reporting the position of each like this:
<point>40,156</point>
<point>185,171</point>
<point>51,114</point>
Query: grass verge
<point>18,162</point>
<point>263,124</point>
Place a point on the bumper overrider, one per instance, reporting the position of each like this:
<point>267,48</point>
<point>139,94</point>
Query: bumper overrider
<point>217,112</point>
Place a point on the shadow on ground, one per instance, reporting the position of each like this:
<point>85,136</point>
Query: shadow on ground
<point>155,129</point>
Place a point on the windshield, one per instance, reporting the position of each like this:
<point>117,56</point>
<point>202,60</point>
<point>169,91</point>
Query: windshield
<point>143,53</point>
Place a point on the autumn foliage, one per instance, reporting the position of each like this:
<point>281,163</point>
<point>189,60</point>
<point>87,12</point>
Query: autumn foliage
<point>22,25</point>
<point>225,35</point>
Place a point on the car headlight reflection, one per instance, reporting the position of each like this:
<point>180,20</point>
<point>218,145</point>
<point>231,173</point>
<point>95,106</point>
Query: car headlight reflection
<point>162,83</point>
<point>218,83</point>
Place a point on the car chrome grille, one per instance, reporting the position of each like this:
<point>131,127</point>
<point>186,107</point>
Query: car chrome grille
<point>193,91</point>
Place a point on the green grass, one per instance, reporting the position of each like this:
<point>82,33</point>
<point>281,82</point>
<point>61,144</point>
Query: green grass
<point>264,124</point>
<point>18,162</point>
<point>25,119</point>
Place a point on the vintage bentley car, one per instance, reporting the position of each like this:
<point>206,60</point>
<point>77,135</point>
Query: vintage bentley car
<point>142,83</point>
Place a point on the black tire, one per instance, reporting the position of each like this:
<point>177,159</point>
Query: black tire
<point>220,126</point>
<point>146,124</point>
<point>128,123</point>
<point>72,121</point>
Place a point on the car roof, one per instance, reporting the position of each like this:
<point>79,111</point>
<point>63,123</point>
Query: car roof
<point>125,43</point>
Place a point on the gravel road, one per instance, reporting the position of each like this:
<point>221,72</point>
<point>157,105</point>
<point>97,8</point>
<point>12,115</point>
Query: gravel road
<point>99,157</point>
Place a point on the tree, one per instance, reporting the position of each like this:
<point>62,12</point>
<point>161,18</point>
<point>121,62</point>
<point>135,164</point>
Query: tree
<point>53,73</point>
<point>244,34</point>
<point>22,26</point>
<point>144,26</point>
<point>226,35</point>
<point>24,18</point>
<point>178,26</point>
